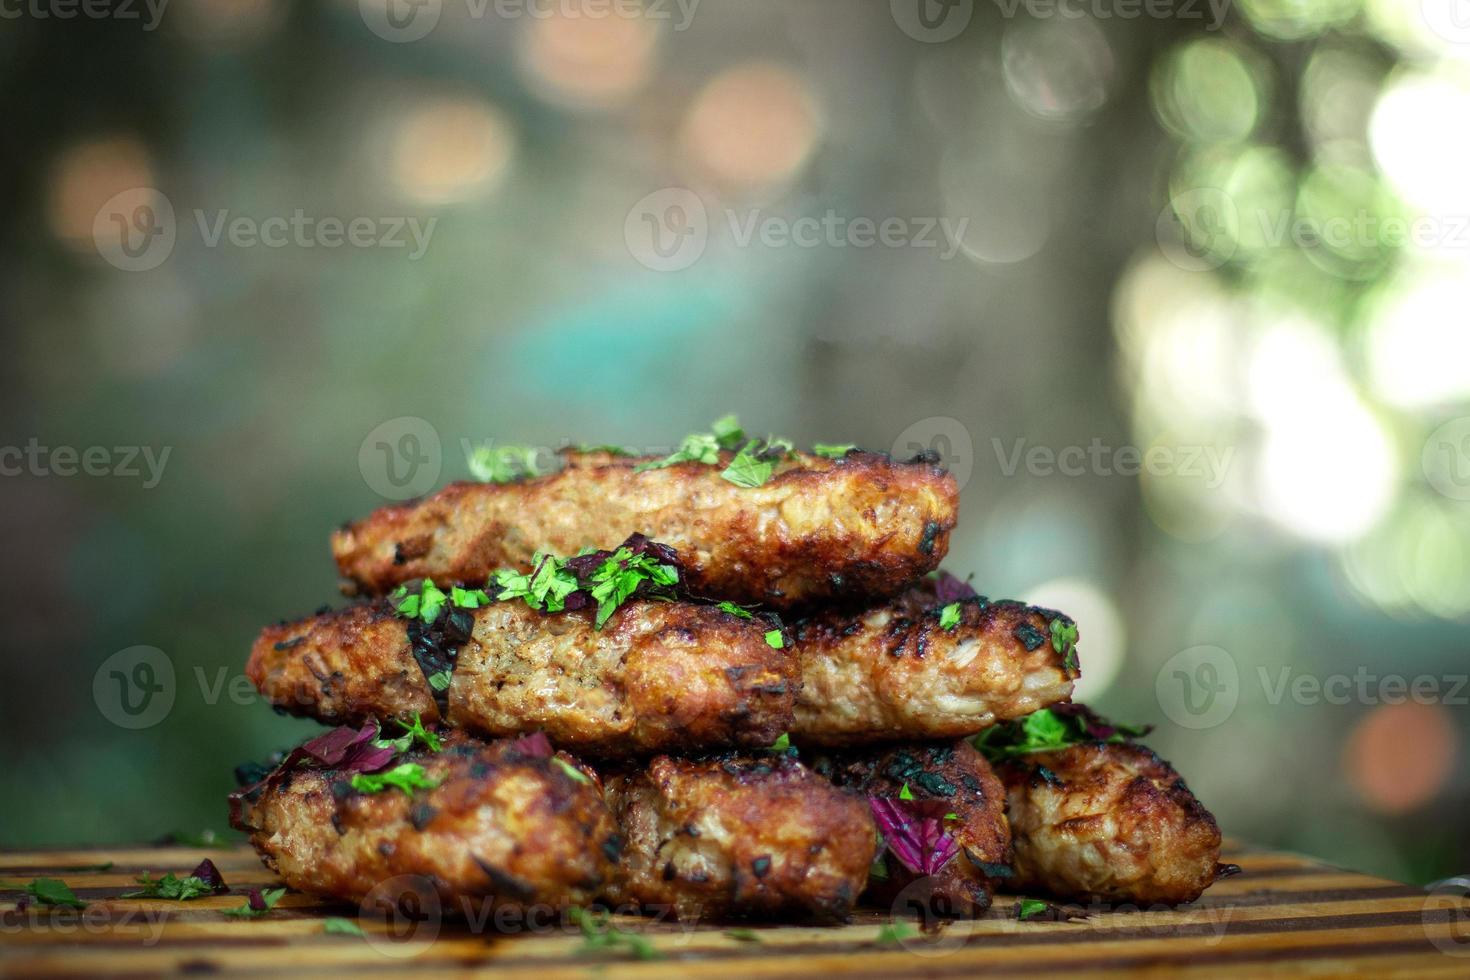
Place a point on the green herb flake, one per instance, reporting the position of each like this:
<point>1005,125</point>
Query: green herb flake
<point>424,604</point>
<point>503,464</point>
<point>570,769</point>
<point>170,887</point>
<point>415,732</point>
<point>1047,730</point>
<point>727,431</point>
<point>833,450</point>
<point>905,793</point>
<point>748,469</point>
<point>408,777</point>
<point>600,936</point>
<point>949,616</point>
<point>268,896</point>
<point>775,639</point>
<point>441,679</point>
<point>894,933</point>
<point>1030,908</point>
<point>50,891</point>
<point>338,926</point>
<point>735,610</point>
<point>1064,641</point>
<point>781,744</point>
<point>743,935</point>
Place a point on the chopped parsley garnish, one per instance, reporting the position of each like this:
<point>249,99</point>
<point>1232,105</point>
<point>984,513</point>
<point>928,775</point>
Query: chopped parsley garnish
<point>781,744</point>
<point>832,450</point>
<point>546,588</point>
<point>336,925</point>
<point>949,616</point>
<point>600,936</point>
<point>1057,727</point>
<point>570,769</point>
<point>408,776</point>
<point>609,448</point>
<point>735,610</point>
<point>608,579</point>
<point>503,464</point>
<point>203,880</point>
<point>430,600</point>
<point>905,793</point>
<point>257,903</point>
<point>1030,908</point>
<point>754,460</point>
<point>775,639</point>
<point>747,469</point>
<point>415,732</point>
<point>1064,641</point>
<point>894,933</point>
<point>50,891</point>
<point>616,579</point>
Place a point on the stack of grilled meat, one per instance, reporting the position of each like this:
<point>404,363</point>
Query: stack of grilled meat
<point>684,685</point>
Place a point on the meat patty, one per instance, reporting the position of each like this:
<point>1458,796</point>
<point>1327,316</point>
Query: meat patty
<point>1108,822</point>
<point>658,676</point>
<point>504,822</point>
<point>959,780</point>
<point>760,837</point>
<point>892,672</point>
<point>819,529</point>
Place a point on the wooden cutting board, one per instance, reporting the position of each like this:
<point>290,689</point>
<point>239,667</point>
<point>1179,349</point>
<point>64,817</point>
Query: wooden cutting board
<point>1284,915</point>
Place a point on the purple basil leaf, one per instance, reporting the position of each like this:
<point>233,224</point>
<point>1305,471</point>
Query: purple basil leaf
<point>533,746</point>
<point>329,749</point>
<point>915,832</point>
<point>209,874</point>
<point>257,901</point>
<point>948,588</point>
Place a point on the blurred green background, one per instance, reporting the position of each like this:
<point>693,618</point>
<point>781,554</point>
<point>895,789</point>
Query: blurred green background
<point>1234,233</point>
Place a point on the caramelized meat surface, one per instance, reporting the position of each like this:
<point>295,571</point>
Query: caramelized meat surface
<point>1108,822</point>
<point>818,530</point>
<point>757,837</point>
<point>893,672</point>
<point>953,778</point>
<point>500,823</point>
<point>657,676</point>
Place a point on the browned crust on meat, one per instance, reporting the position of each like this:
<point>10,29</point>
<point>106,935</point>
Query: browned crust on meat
<point>658,676</point>
<point>739,837</point>
<point>818,530</point>
<point>958,776</point>
<point>1108,822</point>
<point>503,826</point>
<point>891,672</point>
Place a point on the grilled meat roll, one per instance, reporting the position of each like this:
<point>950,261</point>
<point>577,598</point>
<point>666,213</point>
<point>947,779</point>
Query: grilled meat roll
<point>502,821</point>
<point>1108,822</point>
<point>657,676</point>
<point>951,778</point>
<point>757,837</point>
<point>819,529</point>
<point>893,672</point>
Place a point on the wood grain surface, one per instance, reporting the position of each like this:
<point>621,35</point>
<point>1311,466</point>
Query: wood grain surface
<point>1284,915</point>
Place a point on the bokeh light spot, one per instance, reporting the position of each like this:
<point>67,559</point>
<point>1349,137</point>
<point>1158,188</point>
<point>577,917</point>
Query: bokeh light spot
<point>451,149</point>
<point>1400,755</point>
<point>751,126</point>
